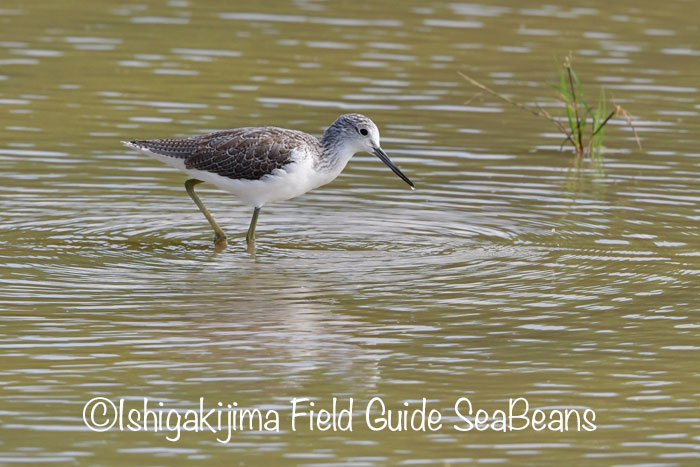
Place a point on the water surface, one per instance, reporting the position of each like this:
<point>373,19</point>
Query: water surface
<point>511,272</point>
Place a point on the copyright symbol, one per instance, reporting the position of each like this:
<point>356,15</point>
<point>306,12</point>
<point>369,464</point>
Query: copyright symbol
<point>95,414</point>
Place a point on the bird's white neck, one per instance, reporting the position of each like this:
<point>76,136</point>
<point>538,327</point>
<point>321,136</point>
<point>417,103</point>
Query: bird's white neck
<point>335,158</point>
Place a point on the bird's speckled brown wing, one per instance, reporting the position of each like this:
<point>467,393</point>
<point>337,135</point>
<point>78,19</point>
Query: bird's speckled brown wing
<point>241,153</point>
<point>247,153</point>
<point>177,148</point>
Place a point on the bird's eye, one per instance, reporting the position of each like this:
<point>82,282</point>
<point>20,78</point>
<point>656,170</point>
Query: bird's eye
<point>363,131</point>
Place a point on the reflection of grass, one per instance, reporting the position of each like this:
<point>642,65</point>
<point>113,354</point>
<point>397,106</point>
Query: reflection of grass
<point>578,112</point>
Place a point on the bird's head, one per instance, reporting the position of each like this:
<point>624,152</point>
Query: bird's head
<point>358,133</point>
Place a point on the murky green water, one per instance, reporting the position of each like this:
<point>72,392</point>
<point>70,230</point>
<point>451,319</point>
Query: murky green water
<point>508,273</point>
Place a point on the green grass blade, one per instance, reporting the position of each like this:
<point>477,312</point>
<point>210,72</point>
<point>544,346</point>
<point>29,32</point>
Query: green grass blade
<point>563,89</point>
<point>582,100</point>
<point>566,97</point>
<point>577,82</point>
<point>600,114</point>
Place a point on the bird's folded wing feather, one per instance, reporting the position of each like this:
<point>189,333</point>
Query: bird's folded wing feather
<point>246,153</point>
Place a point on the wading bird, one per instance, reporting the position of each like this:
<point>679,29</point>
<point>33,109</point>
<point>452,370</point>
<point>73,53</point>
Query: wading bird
<point>261,165</point>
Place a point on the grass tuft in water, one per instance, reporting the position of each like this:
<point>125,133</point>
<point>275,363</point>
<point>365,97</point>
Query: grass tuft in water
<point>584,128</point>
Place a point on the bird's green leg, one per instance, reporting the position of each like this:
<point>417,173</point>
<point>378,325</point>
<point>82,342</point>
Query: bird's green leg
<point>250,237</point>
<point>189,186</point>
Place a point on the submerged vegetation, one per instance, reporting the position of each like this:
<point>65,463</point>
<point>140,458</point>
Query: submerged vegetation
<point>584,127</point>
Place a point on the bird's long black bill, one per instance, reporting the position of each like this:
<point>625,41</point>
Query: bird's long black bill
<point>382,155</point>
